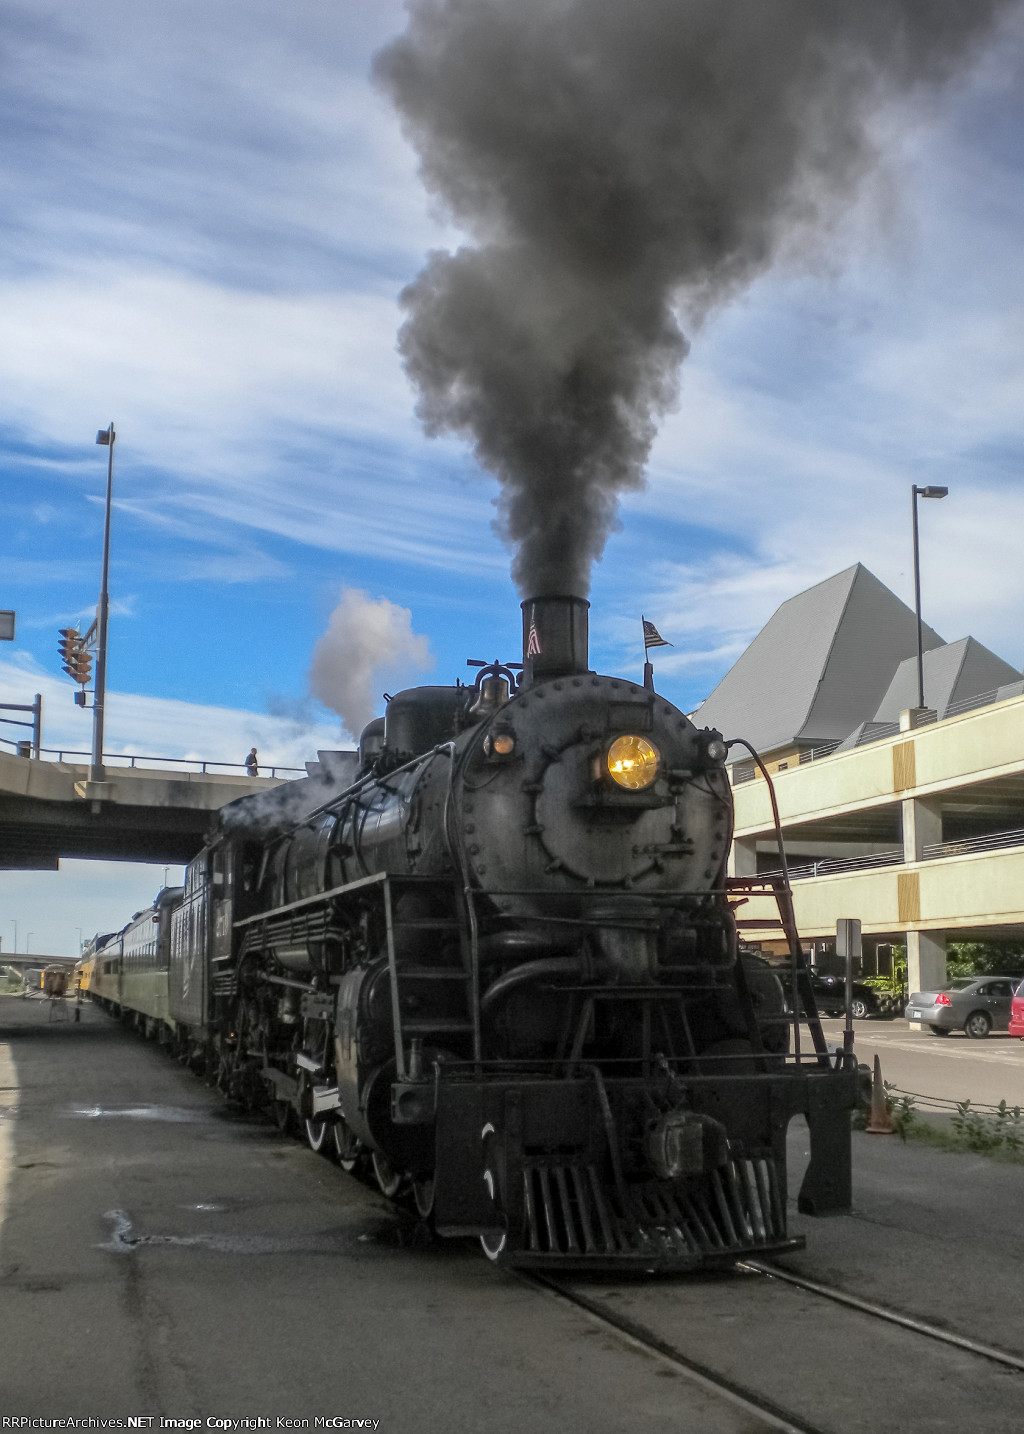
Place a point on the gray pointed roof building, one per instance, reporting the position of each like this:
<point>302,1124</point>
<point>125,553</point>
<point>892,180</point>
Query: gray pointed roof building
<point>952,673</point>
<point>818,668</point>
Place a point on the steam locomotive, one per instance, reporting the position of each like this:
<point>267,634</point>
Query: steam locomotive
<point>498,963</point>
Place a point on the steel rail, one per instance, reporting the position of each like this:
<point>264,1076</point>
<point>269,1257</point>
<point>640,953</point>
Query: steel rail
<point>766,1410</point>
<point>877,1311</point>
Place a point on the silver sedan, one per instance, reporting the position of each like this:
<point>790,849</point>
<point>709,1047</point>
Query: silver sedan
<point>972,1004</point>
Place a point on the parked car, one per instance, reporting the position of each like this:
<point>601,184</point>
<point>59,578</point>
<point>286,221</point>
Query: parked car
<point>1017,1012</point>
<point>972,1004</point>
<point>830,995</point>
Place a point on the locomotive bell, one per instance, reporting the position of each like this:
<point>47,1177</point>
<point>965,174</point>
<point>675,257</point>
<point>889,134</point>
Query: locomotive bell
<point>493,694</point>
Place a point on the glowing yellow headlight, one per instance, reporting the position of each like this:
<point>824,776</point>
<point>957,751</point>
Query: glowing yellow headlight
<point>632,762</point>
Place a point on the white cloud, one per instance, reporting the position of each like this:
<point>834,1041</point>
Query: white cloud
<point>187,363</point>
<point>281,413</point>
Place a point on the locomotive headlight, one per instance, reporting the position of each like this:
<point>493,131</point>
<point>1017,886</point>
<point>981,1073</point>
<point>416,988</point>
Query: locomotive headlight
<point>632,762</point>
<point>500,744</point>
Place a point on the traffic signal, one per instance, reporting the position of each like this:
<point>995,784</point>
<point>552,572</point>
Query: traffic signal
<point>81,668</point>
<point>67,646</point>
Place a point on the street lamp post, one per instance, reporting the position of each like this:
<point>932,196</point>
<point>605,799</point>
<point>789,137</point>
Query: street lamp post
<point>106,438</point>
<point>15,925</point>
<point>915,492</point>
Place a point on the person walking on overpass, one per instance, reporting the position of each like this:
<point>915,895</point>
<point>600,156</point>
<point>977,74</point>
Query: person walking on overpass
<point>251,765</point>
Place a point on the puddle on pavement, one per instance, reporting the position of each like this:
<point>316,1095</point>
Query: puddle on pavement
<point>368,1237</point>
<point>174,1114</point>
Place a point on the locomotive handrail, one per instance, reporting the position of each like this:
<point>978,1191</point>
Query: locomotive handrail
<point>783,892</point>
<point>375,879</point>
<point>371,776</point>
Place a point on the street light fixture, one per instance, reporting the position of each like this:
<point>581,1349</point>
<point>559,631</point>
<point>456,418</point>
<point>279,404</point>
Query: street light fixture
<point>105,438</point>
<point>932,491</point>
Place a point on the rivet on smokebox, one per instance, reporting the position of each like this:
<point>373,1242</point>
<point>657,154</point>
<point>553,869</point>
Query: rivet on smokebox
<point>879,1121</point>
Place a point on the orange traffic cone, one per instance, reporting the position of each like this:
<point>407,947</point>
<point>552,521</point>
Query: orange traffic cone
<point>879,1121</point>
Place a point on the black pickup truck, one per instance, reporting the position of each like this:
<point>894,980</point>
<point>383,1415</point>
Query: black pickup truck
<point>830,994</point>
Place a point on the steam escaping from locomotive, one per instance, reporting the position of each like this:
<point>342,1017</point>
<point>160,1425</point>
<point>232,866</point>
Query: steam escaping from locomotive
<point>368,640</point>
<point>619,166</point>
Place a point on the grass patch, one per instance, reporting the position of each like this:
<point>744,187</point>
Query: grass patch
<point>997,1131</point>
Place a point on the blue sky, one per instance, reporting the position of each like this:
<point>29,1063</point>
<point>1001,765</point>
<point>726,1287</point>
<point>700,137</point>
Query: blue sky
<point>208,213</point>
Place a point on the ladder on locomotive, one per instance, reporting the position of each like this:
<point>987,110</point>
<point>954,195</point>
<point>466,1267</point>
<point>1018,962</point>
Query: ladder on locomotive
<point>417,983</point>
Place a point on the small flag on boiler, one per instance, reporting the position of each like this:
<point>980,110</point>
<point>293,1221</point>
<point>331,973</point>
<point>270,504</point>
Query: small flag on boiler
<point>652,637</point>
<point>533,638</point>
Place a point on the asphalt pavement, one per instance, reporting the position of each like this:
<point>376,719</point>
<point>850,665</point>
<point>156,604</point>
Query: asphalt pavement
<point>953,1067</point>
<point>164,1259</point>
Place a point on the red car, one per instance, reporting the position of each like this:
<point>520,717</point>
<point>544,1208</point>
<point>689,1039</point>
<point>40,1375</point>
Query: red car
<point>1017,1012</point>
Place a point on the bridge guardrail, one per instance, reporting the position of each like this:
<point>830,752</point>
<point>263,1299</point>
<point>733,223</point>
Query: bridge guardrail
<point>209,766</point>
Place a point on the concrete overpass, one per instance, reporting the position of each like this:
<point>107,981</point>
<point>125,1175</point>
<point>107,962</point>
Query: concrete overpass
<point>50,810</point>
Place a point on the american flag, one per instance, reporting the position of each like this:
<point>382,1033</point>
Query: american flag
<point>652,637</point>
<point>533,638</point>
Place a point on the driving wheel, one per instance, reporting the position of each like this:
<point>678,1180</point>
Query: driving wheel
<point>346,1144</point>
<point>388,1178</point>
<point>316,1133</point>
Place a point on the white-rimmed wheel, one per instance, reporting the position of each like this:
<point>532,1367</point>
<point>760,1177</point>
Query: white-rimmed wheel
<point>388,1178</point>
<point>346,1144</point>
<point>317,1130</point>
<point>423,1195</point>
<point>493,1244</point>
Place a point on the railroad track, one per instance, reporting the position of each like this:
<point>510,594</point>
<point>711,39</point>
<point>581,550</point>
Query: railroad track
<point>770,1414</point>
<point>767,1410</point>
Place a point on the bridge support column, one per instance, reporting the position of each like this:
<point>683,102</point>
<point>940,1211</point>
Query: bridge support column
<point>926,965</point>
<point>743,857</point>
<point>922,826</point>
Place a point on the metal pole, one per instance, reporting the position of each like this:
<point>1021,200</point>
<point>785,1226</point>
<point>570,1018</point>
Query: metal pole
<point>917,600</point>
<point>96,773</point>
<point>848,945</point>
<point>37,725</point>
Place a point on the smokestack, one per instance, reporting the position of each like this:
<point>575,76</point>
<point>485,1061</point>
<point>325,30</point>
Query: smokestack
<point>555,638</point>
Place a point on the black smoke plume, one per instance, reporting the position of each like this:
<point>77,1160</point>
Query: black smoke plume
<point>619,162</point>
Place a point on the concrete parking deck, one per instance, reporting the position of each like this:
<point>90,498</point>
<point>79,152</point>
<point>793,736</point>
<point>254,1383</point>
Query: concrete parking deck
<point>928,823</point>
